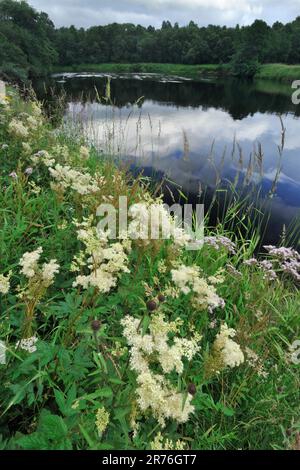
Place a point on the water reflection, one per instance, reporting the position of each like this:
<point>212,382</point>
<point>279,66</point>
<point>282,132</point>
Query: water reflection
<point>197,133</point>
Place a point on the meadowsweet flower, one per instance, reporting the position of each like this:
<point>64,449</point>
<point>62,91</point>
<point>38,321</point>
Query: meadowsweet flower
<point>229,350</point>
<point>104,261</point>
<point>84,152</point>
<point>205,296</point>
<point>28,344</point>
<point>49,270</point>
<point>254,361</point>
<point>152,221</point>
<point>4,283</point>
<point>36,109</point>
<point>154,390</point>
<point>28,171</point>
<point>160,443</point>
<point>162,268</point>
<point>29,262</point>
<point>32,123</point>
<point>18,129</point>
<point>165,402</point>
<point>34,188</point>
<point>43,157</point>
<point>68,178</point>
<point>102,420</point>
<point>26,148</point>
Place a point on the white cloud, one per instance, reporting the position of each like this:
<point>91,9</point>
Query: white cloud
<point>91,12</point>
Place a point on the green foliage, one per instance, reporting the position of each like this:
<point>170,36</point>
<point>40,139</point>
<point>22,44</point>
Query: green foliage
<point>26,46</point>
<point>242,67</point>
<point>50,397</point>
<point>30,45</point>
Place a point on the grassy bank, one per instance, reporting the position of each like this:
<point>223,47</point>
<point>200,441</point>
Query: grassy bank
<point>279,72</point>
<point>276,72</point>
<point>132,343</point>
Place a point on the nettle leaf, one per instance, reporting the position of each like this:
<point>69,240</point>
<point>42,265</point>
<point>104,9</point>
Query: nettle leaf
<point>46,353</point>
<point>34,441</point>
<point>52,433</point>
<point>53,426</point>
<point>65,403</point>
<point>61,401</point>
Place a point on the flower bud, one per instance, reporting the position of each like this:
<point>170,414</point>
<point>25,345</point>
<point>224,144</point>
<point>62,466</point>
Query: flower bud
<point>151,305</point>
<point>161,298</point>
<point>192,389</point>
<point>96,325</point>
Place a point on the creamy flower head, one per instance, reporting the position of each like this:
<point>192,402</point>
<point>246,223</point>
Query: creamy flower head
<point>4,283</point>
<point>84,152</point>
<point>29,262</point>
<point>231,352</point>
<point>49,270</point>
<point>18,129</point>
<point>28,344</point>
<point>154,391</point>
<point>102,420</point>
<point>188,280</point>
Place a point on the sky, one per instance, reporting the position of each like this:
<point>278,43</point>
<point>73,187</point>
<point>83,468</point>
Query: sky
<point>86,13</point>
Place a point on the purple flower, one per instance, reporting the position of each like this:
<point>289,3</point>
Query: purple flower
<point>13,175</point>
<point>28,171</point>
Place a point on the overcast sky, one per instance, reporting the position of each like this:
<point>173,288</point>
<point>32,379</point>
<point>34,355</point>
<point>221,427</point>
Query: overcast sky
<point>230,12</point>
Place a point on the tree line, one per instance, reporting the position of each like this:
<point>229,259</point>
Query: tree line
<point>30,44</point>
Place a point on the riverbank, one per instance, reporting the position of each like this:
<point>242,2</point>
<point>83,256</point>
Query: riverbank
<point>133,343</point>
<point>189,71</point>
<point>276,72</point>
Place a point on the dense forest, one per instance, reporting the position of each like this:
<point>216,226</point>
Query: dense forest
<point>30,44</point>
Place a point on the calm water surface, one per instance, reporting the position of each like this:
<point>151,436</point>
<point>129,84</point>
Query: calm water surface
<point>199,134</point>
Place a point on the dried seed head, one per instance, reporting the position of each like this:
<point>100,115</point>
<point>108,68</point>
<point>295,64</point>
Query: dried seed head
<point>192,389</point>
<point>151,305</point>
<point>96,325</point>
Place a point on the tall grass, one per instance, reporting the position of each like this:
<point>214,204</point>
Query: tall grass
<point>56,397</point>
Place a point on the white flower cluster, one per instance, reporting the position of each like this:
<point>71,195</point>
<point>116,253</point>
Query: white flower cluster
<point>31,268</point>
<point>154,391</point>
<point>32,122</point>
<point>36,109</point>
<point>105,261</point>
<point>4,283</point>
<point>152,221</point>
<point>43,157</point>
<point>188,279</point>
<point>18,129</point>
<point>68,178</point>
<point>159,443</point>
<point>3,98</point>
<point>229,350</point>
<point>28,344</point>
<point>84,152</point>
